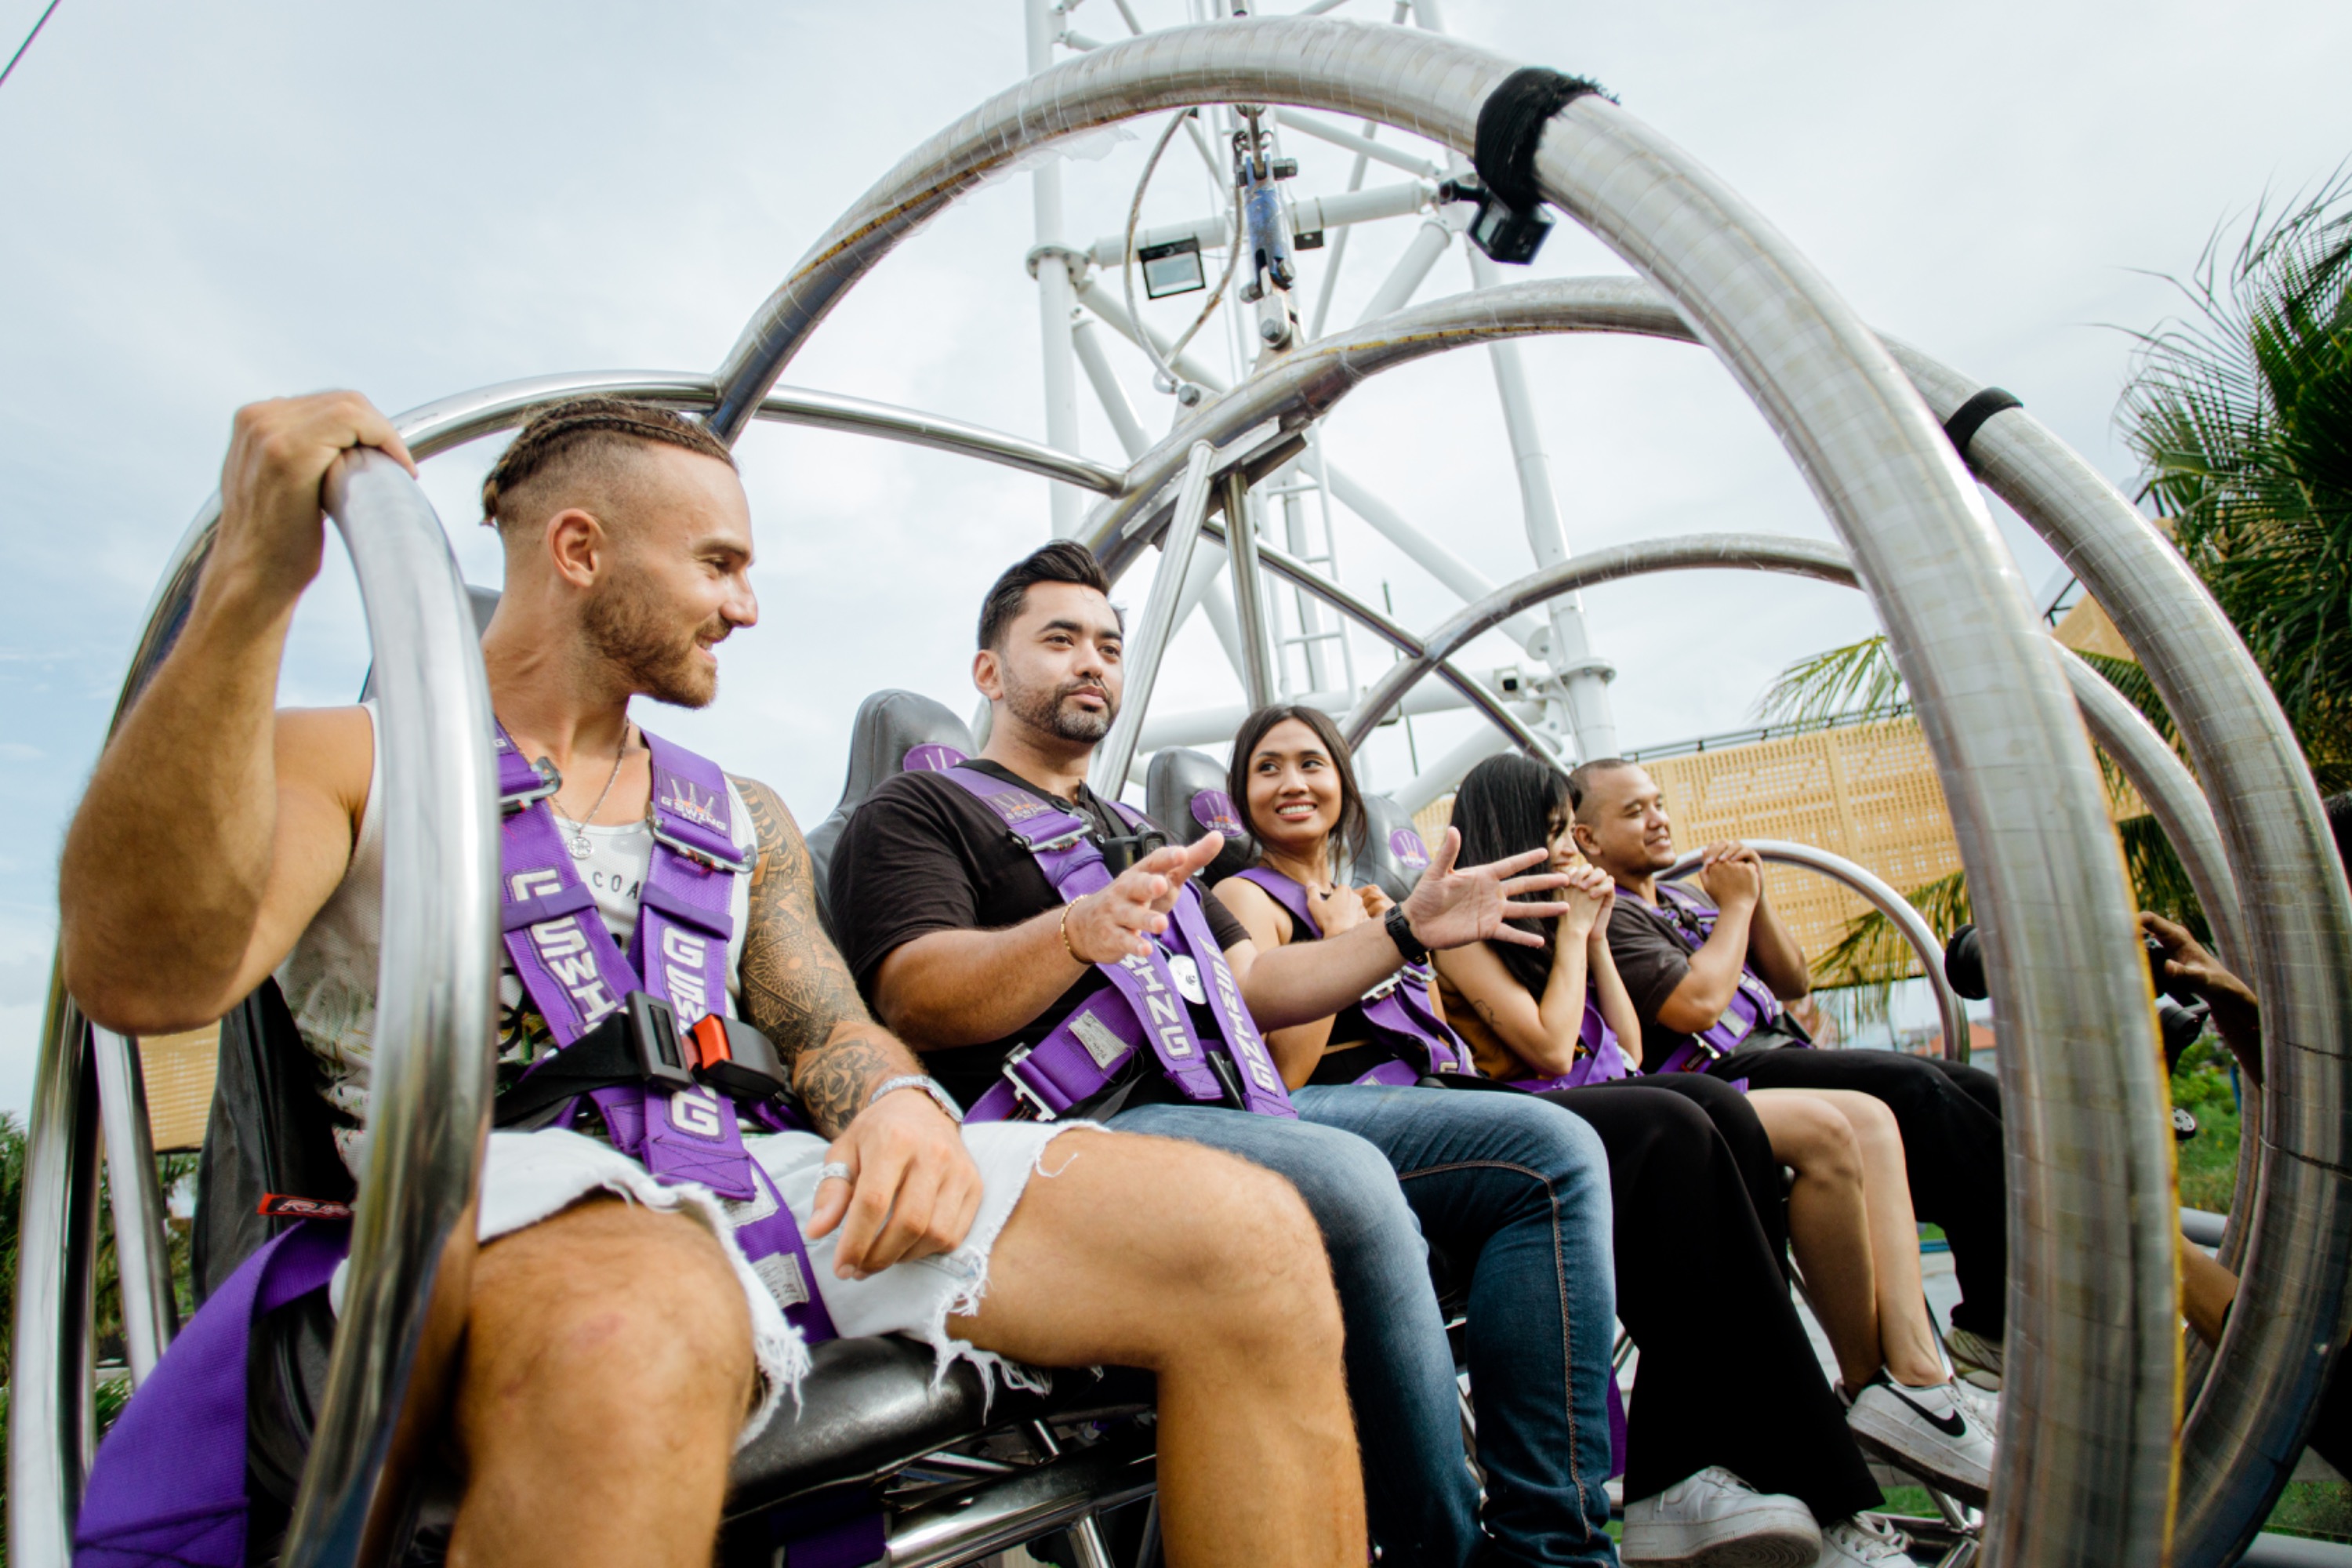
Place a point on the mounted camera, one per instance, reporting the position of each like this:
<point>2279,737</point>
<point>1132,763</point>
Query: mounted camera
<point>2180,1013</point>
<point>1504,233</point>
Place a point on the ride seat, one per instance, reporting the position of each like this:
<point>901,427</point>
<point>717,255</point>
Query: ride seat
<point>1184,793</point>
<point>889,725</point>
<point>1394,856</point>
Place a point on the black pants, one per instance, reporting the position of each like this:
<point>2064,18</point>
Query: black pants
<point>1694,1272</point>
<point>1949,1116</point>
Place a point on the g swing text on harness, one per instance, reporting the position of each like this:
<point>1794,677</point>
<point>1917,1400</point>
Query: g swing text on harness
<point>1426,1048</point>
<point>168,1486</point>
<point>1144,1007</point>
<point>1753,1005</point>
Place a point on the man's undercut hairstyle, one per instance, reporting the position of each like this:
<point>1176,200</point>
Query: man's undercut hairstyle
<point>1063,561</point>
<point>1579,781</point>
<point>585,430</point>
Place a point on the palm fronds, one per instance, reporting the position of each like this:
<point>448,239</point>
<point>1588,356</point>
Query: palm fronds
<point>2241,414</point>
<point>1857,678</point>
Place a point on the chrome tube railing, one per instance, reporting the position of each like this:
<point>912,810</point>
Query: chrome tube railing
<point>429,1105</point>
<point>143,1251</point>
<point>1147,639</point>
<point>1950,1009</point>
<point>432,1077</point>
<point>1692,552</point>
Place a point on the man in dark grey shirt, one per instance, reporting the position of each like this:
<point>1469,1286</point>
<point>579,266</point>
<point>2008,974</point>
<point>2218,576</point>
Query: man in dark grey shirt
<point>1684,963</point>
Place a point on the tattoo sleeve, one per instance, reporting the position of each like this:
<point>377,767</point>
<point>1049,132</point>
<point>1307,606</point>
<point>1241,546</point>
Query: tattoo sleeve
<point>796,989</point>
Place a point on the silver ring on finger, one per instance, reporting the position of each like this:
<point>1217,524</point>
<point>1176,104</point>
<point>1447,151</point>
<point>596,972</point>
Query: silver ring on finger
<point>833,1171</point>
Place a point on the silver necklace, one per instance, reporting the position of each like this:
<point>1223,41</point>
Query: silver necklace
<point>580,847</point>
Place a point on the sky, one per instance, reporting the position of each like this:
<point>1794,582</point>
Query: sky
<point>203,205</point>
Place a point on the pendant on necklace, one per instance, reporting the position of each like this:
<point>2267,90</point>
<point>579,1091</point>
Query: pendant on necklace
<point>580,847</point>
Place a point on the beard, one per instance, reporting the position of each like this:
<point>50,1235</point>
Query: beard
<point>1050,709</point>
<point>653,654</point>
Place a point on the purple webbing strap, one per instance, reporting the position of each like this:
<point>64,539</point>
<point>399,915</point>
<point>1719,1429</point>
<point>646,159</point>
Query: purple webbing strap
<point>568,963</point>
<point>1073,866</point>
<point>1262,1085</point>
<point>1752,1004</point>
<point>167,1489</point>
<point>1068,1067</point>
<point>1403,1013</point>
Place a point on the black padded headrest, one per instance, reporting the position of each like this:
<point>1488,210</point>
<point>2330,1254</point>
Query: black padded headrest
<point>1394,856</point>
<point>889,726</point>
<point>1184,793</point>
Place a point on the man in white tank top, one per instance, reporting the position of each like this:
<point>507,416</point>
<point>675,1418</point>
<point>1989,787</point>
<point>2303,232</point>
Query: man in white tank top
<point>617,1350</point>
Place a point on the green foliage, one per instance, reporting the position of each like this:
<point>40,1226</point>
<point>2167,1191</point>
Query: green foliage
<point>1840,682</point>
<point>2241,413</point>
<point>2209,1161</point>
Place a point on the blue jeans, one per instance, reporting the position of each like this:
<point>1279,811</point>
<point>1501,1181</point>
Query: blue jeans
<point>1515,1196</point>
<point>1420,1499</point>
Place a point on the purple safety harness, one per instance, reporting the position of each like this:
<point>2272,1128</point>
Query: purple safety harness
<point>1753,1004</point>
<point>168,1487</point>
<point>1398,1008</point>
<point>1143,1007</point>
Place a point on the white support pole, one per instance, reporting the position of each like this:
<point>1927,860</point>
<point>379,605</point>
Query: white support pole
<point>1457,574</point>
<point>1249,592</point>
<point>1053,297</point>
<point>1397,290</point>
<point>1113,314</point>
<point>1307,609</point>
<point>1447,772</point>
<point>1155,628</point>
<point>1214,726</point>
<point>1582,677</point>
<point>1132,437</point>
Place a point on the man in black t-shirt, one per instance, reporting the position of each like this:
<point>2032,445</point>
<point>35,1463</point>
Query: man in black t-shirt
<point>1682,980</point>
<point>969,953</point>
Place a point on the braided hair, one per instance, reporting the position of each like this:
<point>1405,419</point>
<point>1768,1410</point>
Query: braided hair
<point>587,426</point>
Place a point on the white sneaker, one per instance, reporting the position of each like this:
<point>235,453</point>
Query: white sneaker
<point>1978,1359</point>
<point>1715,1520</point>
<point>1935,1432</point>
<point>1865,1542</point>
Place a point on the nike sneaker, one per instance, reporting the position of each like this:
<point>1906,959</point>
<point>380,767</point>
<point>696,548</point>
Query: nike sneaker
<point>1715,1520</point>
<point>1935,1432</point>
<point>1865,1542</point>
<point>1978,1359</point>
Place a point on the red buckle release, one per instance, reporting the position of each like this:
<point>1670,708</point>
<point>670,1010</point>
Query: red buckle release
<point>279,1205</point>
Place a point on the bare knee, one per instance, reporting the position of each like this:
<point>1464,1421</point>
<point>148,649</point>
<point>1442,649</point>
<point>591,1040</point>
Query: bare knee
<point>1250,1261</point>
<point>1820,1143</point>
<point>608,1307</point>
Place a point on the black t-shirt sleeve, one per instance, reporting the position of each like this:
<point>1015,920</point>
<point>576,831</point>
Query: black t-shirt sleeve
<point>1649,958</point>
<point>1224,925</point>
<point>897,874</point>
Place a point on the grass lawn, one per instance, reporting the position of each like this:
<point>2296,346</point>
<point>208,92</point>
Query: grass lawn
<point>2209,1161</point>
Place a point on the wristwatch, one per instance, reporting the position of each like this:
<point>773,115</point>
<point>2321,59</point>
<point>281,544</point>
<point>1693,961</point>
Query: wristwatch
<point>1399,932</point>
<point>927,1084</point>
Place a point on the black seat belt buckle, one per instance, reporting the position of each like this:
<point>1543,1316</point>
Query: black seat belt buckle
<point>1120,853</point>
<point>1222,1065</point>
<point>660,1045</point>
<point>737,1059</point>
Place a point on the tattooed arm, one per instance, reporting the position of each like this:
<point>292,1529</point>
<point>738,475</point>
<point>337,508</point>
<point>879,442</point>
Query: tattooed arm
<point>913,1190</point>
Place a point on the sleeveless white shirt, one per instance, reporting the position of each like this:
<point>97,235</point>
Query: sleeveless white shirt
<point>330,977</point>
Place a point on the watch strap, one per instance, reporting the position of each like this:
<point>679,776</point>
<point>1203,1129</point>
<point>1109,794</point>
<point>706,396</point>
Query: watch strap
<point>1399,932</point>
<point>925,1082</point>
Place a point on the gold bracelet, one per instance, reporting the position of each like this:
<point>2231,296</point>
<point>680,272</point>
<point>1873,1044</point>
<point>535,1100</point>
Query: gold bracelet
<point>1073,951</point>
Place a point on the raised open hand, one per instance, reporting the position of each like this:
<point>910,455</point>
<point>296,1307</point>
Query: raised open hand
<point>1455,906</point>
<point>1121,921</point>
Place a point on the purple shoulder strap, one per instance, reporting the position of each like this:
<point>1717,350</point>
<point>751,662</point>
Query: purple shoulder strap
<point>1752,1004</point>
<point>167,1488</point>
<point>1398,1007</point>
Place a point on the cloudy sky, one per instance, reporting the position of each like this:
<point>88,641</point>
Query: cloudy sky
<point>200,205</point>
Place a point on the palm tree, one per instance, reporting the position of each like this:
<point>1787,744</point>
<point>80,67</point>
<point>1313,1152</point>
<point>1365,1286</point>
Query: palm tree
<point>2241,414</point>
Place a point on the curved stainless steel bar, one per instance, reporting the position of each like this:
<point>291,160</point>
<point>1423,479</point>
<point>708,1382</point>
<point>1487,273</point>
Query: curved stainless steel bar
<point>1474,691</point>
<point>142,1257</point>
<point>490,408</point>
<point>432,1078</point>
<point>1304,385</point>
<point>2086,1472</point>
<point>1875,891</point>
<point>50,1433</point>
<point>2243,1434</point>
<point>1693,553</point>
<point>2173,798</point>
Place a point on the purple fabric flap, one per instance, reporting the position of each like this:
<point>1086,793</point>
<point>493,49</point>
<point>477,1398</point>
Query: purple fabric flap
<point>168,1485</point>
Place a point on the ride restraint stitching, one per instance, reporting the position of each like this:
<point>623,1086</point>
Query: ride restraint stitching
<point>1511,124</point>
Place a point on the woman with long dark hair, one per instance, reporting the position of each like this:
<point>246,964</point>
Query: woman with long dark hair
<point>1849,1212</point>
<point>1754,1466</point>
